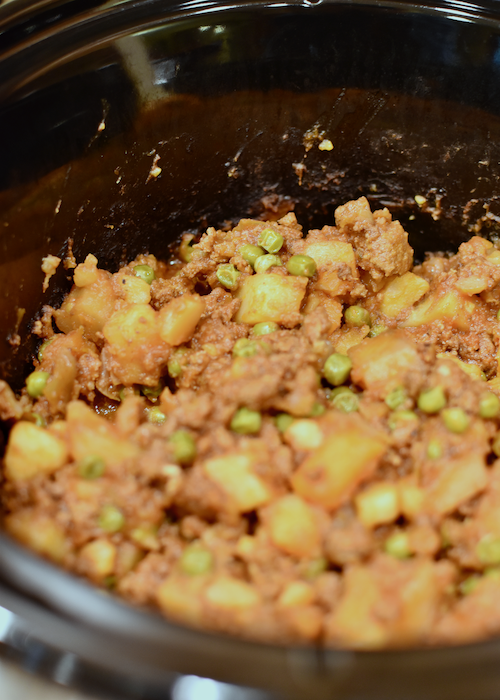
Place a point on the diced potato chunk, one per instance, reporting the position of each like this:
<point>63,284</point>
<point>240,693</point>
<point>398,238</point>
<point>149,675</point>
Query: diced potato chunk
<point>411,498</point>
<point>344,340</point>
<point>233,474</point>
<point>458,480</point>
<point>134,343</point>
<point>378,504</point>
<point>296,593</point>
<point>333,471</point>
<point>136,290</point>
<point>332,307</point>
<point>304,434</point>
<point>90,434</point>
<point>381,364</point>
<point>179,318</point>
<point>99,558</point>
<point>327,256</point>
<point>474,371</point>
<point>59,388</point>
<point>228,593</point>
<point>32,450</point>
<point>181,597</point>
<point>87,307</point>
<point>449,306</point>
<point>353,622</point>
<point>271,297</point>
<point>41,533</point>
<point>86,273</point>
<point>402,292</point>
<point>293,527</point>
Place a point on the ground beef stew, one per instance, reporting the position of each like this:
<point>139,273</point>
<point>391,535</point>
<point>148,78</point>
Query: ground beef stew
<point>284,437</point>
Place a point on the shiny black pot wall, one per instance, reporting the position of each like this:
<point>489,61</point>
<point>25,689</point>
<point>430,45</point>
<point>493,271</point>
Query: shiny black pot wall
<point>125,125</point>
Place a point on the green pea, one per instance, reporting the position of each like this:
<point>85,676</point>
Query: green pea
<point>317,410</point>
<point>337,368</point>
<point>356,316</point>
<point>301,266</point>
<point>266,262</point>
<point>111,519</point>
<point>250,253</point>
<point>283,421</point>
<point>489,405</point>
<point>91,467</point>
<point>498,315</point>
<point>43,346</point>
<point>152,392</point>
<point>434,449</point>
<point>455,419</point>
<point>156,415</point>
<point>35,383</point>
<point>174,368</point>
<point>396,397</point>
<point>432,400</point>
<point>245,421</point>
<point>244,347</point>
<point>39,420</point>
<point>346,401</point>
<point>265,327</point>
<point>271,240</point>
<point>184,446</point>
<point>469,584</point>
<point>493,573</point>
<point>398,417</point>
<point>315,567</point>
<point>488,550</point>
<point>376,330</point>
<point>228,275</point>
<point>185,248</point>
<point>196,560</point>
<point>145,272</point>
<point>397,545</point>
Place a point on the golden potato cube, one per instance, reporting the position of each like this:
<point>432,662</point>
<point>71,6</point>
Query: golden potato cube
<point>304,434</point>
<point>457,481</point>
<point>332,307</point>
<point>271,297</point>
<point>411,498</point>
<point>450,306</point>
<point>233,474</point>
<point>32,450</point>
<point>179,318</point>
<point>378,504</point>
<point>335,469</point>
<point>354,622</point>
<point>327,256</point>
<point>99,558</point>
<point>228,593</point>
<point>296,593</point>
<point>90,434</point>
<point>381,364</point>
<point>474,371</point>
<point>133,341</point>
<point>136,290</point>
<point>344,340</point>
<point>293,527</point>
<point>180,597</point>
<point>87,307</point>
<point>86,273</point>
<point>38,532</point>
<point>402,292</point>
<point>353,212</point>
